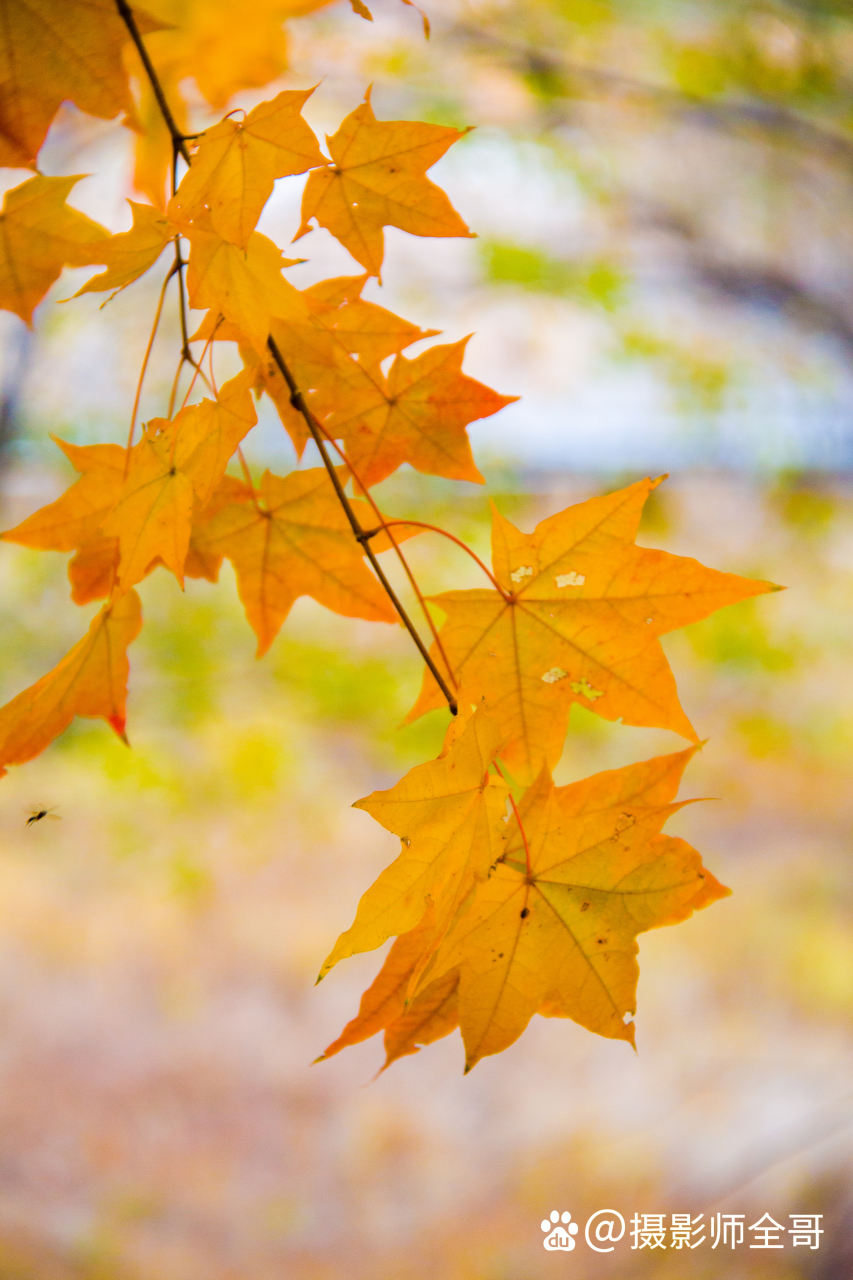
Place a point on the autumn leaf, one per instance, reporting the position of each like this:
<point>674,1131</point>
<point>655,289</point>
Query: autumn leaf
<point>93,569</point>
<point>52,51</point>
<point>244,285</point>
<point>449,816</point>
<point>556,921</point>
<point>577,620</point>
<point>418,415</point>
<point>174,465</point>
<point>90,681</point>
<point>129,254</point>
<point>39,235</point>
<point>334,354</point>
<point>385,999</point>
<point>377,179</point>
<point>77,516</point>
<point>237,161</point>
<point>290,538</point>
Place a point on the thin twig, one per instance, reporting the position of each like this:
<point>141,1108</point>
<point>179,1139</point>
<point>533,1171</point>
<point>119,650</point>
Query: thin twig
<point>298,402</point>
<point>126,15</point>
<point>434,528</point>
<point>145,360</point>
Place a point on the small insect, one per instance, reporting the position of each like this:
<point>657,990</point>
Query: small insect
<point>36,815</point>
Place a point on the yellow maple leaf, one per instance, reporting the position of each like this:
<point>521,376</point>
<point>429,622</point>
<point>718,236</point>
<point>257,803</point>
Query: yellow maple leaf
<point>39,235</point>
<point>377,179</point>
<point>174,465</point>
<point>555,923</point>
<point>236,163</point>
<point>90,681</point>
<point>449,814</point>
<point>334,354</point>
<point>75,517</point>
<point>57,50</point>
<point>206,44</point>
<point>244,285</point>
<point>129,254</point>
<point>578,621</point>
<point>290,538</point>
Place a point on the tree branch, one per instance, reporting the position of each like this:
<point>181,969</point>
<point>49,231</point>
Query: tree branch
<point>178,142</point>
<point>298,402</point>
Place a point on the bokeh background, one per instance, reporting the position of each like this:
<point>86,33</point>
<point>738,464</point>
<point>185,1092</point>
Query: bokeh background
<point>662,194</point>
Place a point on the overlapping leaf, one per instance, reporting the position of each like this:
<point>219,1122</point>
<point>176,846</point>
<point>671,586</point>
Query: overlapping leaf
<point>175,465</point>
<point>449,816</point>
<point>130,254</point>
<point>290,538</point>
<point>52,52</point>
<point>244,285</point>
<point>579,621</point>
<point>237,162</point>
<point>39,235</point>
<point>377,179</point>
<point>554,925</point>
<point>90,681</point>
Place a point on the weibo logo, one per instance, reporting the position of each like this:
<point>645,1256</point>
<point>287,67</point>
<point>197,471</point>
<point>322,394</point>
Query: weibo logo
<point>560,1231</point>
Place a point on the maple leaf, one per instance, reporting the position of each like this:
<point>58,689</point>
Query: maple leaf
<point>76,517</point>
<point>175,464</point>
<point>407,1024</point>
<point>236,163</point>
<point>578,621</point>
<point>377,179</point>
<point>57,50</point>
<point>334,354</point>
<point>290,538</point>
<point>554,925</point>
<point>93,569</point>
<point>244,285</point>
<point>449,816</point>
<point>129,254</point>
<point>418,415</point>
<point>90,681</point>
<point>39,235</point>
<point>385,999</point>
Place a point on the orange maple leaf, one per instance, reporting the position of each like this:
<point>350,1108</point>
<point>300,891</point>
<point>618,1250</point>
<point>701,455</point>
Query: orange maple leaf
<point>130,254</point>
<point>377,179</point>
<point>237,161</point>
<point>449,814</point>
<point>243,285</point>
<point>553,926</point>
<point>577,620</point>
<point>90,681</point>
<point>75,517</point>
<point>39,235</point>
<point>175,465</point>
<point>289,538</point>
<point>408,1024</point>
<point>57,50</point>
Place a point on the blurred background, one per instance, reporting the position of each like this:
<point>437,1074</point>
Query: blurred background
<point>662,194</point>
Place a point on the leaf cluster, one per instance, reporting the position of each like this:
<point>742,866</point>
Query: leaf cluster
<point>510,896</point>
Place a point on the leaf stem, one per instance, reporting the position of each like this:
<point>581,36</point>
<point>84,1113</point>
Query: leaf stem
<point>142,371</point>
<point>298,402</point>
<point>511,799</point>
<point>434,528</point>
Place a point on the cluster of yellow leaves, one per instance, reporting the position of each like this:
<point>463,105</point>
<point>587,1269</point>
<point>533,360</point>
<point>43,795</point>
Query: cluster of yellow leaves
<point>510,896</point>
